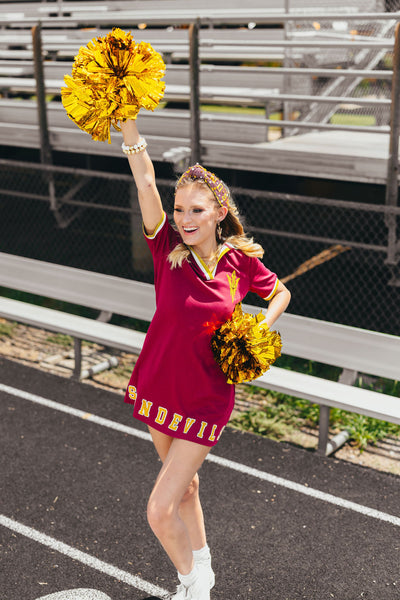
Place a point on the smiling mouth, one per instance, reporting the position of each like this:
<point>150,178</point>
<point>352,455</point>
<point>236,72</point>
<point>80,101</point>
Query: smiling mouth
<point>190,229</point>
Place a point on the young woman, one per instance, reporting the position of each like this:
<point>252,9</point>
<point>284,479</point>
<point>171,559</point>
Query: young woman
<point>202,269</point>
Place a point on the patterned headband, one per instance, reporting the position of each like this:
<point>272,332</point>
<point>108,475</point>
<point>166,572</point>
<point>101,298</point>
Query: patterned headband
<point>217,186</point>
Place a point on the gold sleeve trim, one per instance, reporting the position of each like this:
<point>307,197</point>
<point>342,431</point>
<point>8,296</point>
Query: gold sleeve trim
<point>157,229</point>
<point>272,294</point>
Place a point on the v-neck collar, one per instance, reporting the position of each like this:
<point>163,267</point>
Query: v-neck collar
<point>202,265</point>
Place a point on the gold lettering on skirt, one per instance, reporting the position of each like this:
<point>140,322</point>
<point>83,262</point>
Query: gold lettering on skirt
<point>161,416</point>
<point>145,408</point>
<point>189,422</point>
<point>175,422</point>
<point>202,428</point>
<point>212,436</point>
<point>132,392</point>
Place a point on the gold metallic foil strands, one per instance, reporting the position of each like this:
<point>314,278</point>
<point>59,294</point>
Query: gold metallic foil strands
<point>112,78</point>
<point>244,347</point>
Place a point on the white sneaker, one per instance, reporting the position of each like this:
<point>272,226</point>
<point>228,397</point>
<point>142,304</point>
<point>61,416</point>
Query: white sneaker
<point>205,565</point>
<point>199,590</point>
<point>181,593</point>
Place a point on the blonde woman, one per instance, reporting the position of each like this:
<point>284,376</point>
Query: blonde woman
<point>202,268</point>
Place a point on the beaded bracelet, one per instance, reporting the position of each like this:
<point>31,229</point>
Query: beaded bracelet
<point>139,147</point>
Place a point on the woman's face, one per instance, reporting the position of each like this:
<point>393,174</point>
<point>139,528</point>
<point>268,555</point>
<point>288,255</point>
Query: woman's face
<point>196,215</point>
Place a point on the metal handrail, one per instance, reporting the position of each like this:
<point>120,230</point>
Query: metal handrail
<point>283,123</point>
<point>386,43</point>
<point>206,17</point>
<point>378,74</point>
<point>392,185</point>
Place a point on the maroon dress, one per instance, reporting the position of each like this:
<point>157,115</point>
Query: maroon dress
<point>176,385</point>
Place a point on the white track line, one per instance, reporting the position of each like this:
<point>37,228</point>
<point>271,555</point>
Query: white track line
<point>83,557</point>
<point>224,462</point>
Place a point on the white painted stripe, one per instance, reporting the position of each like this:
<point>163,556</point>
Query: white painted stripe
<point>224,462</point>
<point>75,412</point>
<point>302,489</point>
<point>83,557</point>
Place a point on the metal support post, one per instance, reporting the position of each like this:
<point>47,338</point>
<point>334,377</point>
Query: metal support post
<point>286,78</point>
<point>194,91</point>
<point>45,148</point>
<point>78,358</point>
<point>392,186</point>
<point>324,412</point>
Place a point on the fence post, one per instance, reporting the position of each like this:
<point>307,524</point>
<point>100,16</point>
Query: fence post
<point>287,62</point>
<point>392,184</point>
<point>194,91</point>
<point>46,156</point>
<point>45,148</point>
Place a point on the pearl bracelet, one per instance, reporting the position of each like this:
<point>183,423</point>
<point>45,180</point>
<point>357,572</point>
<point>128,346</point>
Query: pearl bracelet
<point>139,147</point>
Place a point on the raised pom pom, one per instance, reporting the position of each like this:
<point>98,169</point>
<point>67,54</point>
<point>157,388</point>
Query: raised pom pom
<point>112,78</point>
<point>244,347</point>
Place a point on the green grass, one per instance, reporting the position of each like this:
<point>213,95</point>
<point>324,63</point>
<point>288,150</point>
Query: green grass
<point>336,119</point>
<point>242,110</point>
<point>7,329</point>
<point>66,341</point>
<point>349,119</point>
<point>280,414</point>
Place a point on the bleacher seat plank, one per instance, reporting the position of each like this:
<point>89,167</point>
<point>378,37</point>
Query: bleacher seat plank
<point>332,394</point>
<point>339,344</point>
<point>323,161</point>
<point>331,343</point>
<point>166,121</point>
<point>78,327</point>
<point>310,155</point>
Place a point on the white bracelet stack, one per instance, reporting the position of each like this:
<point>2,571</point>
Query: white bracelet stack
<point>136,148</point>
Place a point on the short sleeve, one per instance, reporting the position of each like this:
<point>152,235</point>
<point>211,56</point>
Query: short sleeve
<point>262,281</point>
<point>163,239</point>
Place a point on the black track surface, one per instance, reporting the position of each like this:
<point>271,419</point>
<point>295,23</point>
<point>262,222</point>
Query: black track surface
<point>87,486</point>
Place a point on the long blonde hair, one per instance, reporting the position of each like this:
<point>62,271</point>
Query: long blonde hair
<point>232,231</point>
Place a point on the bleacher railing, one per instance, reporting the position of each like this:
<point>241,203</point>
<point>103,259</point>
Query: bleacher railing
<point>366,233</point>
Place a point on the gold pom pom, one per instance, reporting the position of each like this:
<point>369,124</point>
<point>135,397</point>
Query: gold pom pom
<point>112,78</point>
<point>244,347</point>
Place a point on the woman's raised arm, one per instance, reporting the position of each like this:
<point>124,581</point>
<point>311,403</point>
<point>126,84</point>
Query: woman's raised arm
<point>143,172</point>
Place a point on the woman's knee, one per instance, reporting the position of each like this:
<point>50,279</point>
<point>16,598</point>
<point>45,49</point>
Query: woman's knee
<point>159,514</point>
<point>192,491</point>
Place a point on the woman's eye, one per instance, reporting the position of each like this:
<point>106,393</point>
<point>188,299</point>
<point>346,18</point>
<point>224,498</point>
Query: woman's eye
<point>197,210</point>
<point>177,210</point>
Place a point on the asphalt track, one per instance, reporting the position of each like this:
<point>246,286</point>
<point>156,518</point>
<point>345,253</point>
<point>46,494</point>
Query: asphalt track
<point>283,523</point>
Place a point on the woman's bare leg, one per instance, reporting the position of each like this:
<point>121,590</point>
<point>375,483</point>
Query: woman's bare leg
<point>190,508</point>
<point>166,511</point>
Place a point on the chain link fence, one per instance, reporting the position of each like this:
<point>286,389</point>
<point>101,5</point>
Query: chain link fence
<point>330,253</point>
<point>346,56</point>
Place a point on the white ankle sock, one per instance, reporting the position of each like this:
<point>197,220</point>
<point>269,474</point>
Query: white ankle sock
<point>190,578</point>
<point>202,554</point>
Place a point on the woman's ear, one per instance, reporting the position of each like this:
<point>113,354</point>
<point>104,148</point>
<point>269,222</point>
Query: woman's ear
<point>222,212</point>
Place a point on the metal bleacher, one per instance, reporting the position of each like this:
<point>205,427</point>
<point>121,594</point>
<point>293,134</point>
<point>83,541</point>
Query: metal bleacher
<point>243,64</point>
